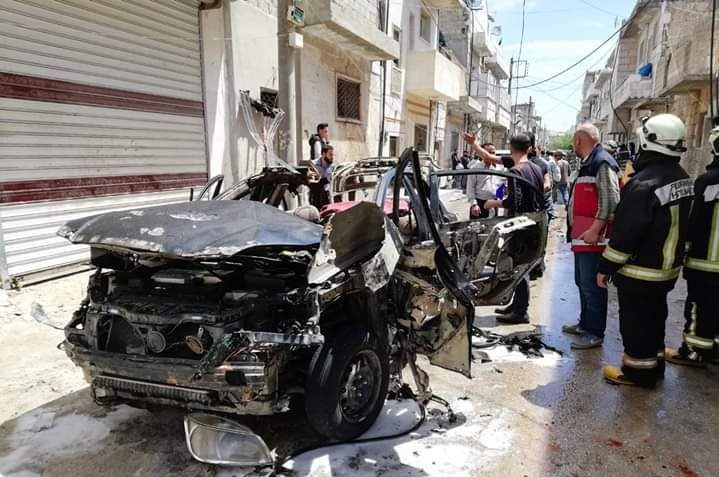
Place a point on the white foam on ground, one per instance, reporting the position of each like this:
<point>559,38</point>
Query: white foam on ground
<point>436,449</point>
<point>500,354</point>
<point>41,434</point>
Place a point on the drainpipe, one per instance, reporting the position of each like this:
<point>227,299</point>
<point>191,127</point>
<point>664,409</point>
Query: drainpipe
<point>383,99</point>
<point>287,97</point>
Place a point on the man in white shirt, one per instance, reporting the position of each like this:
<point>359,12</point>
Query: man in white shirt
<point>480,187</point>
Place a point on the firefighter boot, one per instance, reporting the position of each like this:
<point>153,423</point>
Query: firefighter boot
<point>614,375</point>
<point>684,356</point>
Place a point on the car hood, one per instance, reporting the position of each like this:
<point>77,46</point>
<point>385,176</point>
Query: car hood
<point>201,230</point>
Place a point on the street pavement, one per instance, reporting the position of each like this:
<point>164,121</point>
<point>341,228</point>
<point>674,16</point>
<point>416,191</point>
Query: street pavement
<point>550,416</point>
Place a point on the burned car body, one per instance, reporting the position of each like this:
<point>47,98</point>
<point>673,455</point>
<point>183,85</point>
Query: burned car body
<point>234,305</point>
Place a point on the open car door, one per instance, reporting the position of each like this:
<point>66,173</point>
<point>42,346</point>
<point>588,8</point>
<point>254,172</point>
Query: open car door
<point>433,296</point>
<point>495,253</point>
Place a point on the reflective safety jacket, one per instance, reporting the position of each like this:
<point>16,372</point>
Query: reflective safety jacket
<point>702,262</point>
<point>650,224</point>
<point>584,202</point>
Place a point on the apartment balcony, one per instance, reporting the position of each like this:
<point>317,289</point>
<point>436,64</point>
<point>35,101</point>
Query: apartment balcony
<point>593,92</point>
<point>489,110</point>
<point>431,75</point>
<point>504,99</point>
<point>632,91</point>
<point>465,105</point>
<point>498,65</point>
<point>504,117</point>
<point>483,42</point>
<point>351,26</point>
<point>443,3</point>
<point>603,76</point>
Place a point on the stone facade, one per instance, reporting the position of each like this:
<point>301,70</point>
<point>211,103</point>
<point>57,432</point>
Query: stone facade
<point>672,36</point>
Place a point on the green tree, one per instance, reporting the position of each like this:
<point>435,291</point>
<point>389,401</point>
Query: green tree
<point>562,141</point>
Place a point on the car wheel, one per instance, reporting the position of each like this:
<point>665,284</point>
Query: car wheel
<point>347,384</point>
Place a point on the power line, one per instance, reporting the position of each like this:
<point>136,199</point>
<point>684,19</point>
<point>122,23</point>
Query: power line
<point>636,12</point>
<point>519,60</point>
<point>599,9</point>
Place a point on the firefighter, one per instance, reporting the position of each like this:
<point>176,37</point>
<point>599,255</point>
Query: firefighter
<point>701,269</point>
<point>646,248</point>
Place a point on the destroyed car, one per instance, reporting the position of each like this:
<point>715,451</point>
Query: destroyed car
<point>234,305</point>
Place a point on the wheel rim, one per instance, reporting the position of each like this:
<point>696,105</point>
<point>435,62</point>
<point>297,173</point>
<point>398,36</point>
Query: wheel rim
<point>360,386</point>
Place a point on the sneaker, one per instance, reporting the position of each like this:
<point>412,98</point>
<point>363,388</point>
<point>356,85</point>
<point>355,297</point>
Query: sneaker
<point>587,341</point>
<point>513,319</point>
<point>575,329</point>
<point>684,359</point>
<point>503,311</point>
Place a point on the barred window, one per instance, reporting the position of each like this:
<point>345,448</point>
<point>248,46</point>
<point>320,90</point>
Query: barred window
<point>348,99</point>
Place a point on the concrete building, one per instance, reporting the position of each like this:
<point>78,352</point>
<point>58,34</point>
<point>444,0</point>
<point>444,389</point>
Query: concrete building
<point>470,32</point>
<point>660,64</point>
<point>111,105</point>
<point>337,76</point>
<point>424,79</point>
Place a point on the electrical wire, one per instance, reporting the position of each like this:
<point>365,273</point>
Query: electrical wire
<point>576,63</point>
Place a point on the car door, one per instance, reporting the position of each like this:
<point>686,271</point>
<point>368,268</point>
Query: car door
<point>493,253</point>
<point>432,294</point>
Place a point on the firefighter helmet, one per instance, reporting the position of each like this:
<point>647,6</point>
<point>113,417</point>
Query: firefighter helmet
<point>714,140</point>
<point>663,133</point>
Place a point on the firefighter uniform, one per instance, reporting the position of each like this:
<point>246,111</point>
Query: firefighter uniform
<point>646,249</point>
<point>701,269</point>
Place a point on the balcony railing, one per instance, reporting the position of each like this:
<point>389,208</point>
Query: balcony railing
<point>350,25</point>
<point>432,76</point>
<point>632,90</point>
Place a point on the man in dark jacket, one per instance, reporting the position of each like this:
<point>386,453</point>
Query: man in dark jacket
<point>646,249</point>
<point>318,140</point>
<point>522,198</point>
<point>701,269</point>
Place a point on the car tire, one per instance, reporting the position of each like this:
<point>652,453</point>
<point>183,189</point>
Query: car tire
<point>347,384</point>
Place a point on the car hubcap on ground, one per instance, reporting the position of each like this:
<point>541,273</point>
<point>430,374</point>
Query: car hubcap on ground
<point>360,386</point>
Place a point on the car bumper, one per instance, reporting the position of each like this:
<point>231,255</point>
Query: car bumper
<point>238,388</point>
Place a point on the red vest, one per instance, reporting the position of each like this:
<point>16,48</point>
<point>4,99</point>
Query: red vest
<point>585,204</point>
<point>585,201</point>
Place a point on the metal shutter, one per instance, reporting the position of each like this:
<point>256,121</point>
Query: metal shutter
<point>100,108</point>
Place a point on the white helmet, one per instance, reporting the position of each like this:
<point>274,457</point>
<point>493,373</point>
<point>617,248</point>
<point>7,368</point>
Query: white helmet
<point>714,140</point>
<point>663,133</point>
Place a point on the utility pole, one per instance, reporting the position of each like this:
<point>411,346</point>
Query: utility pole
<point>288,96</point>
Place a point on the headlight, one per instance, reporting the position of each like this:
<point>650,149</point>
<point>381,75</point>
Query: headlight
<point>215,440</point>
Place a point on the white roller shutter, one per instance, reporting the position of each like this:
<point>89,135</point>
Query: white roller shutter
<point>100,108</point>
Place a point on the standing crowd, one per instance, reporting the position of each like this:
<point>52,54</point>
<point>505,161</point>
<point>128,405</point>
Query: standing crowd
<point>637,231</point>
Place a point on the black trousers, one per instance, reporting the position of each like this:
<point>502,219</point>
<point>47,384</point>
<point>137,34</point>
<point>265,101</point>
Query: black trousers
<point>520,305</point>
<point>642,318</point>
<point>701,312</point>
<point>485,213</point>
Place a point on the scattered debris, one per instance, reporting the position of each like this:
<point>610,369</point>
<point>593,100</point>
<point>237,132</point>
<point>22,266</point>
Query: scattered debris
<point>38,314</point>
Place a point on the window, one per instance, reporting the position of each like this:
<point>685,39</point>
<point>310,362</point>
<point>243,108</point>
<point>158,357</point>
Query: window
<point>412,22</point>
<point>381,13</point>
<point>269,97</point>
<point>397,36</point>
<point>348,99</point>
<point>424,27</point>
<point>420,137</point>
<point>396,81</point>
<point>393,146</point>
